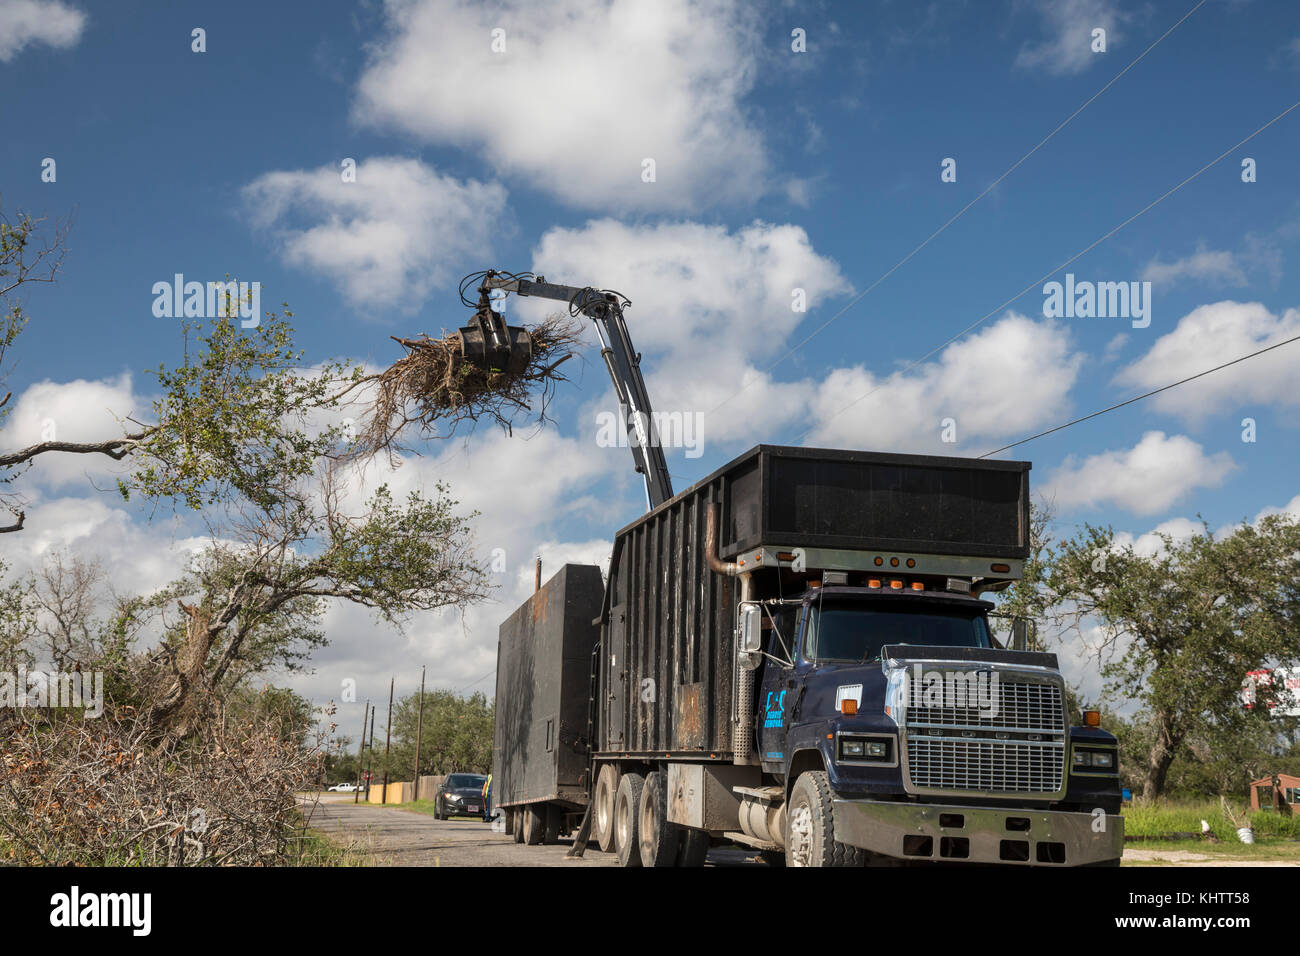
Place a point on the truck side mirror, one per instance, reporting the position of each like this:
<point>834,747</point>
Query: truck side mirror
<point>1019,634</point>
<point>749,636</point>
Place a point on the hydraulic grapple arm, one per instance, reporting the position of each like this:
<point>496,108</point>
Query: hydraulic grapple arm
<point>605,309</point>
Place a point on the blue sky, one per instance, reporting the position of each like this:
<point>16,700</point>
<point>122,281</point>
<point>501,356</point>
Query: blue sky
<point>775,170</point>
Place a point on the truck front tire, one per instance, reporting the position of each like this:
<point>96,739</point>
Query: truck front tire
<point>627,803</point>
<point>810,826</point>
<point>606,789</point>
<point>659,840</point>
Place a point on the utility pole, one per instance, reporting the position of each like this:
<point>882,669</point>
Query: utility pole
<point>419,728</point>
<point>388,737</point>
<point>365,715</point>
<point>370,761</point>
<point>537,575</point>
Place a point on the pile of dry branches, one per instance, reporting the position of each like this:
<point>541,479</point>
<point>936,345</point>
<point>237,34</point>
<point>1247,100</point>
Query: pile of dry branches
<point>102,792</point>
<point>435,389</point>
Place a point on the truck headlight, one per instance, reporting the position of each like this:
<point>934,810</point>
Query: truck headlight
<point>1103,760</point>
<point>865,748</point>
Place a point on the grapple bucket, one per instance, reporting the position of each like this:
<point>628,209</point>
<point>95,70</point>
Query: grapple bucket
<point>491,345</point>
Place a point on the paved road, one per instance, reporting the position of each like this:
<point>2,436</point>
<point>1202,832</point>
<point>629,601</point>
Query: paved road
<point>393,837</point>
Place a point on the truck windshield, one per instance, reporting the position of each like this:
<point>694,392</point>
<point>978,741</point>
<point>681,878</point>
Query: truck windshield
<point>853,632</point>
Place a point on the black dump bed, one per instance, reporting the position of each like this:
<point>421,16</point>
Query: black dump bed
<point>669,661</point>
<point>857,500</point>
<point>539,749</point>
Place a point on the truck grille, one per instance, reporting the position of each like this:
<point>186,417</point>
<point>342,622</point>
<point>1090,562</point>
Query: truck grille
<point>1018,749</point>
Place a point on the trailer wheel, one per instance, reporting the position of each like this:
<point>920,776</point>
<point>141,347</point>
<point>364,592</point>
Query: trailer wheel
<point>627,801</point>
<point>810,826</point>
<point>659,839</point>
<point>603,810</point>
<point>535,824</point>
<point>551,834</point>
<point>518,814</point>
<point>694,848</point>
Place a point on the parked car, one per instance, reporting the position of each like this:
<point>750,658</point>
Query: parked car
<point>461,794</point>
<point>345,788</point>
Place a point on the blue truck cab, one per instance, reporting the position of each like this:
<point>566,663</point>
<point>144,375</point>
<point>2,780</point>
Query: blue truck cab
<point>900,730</point>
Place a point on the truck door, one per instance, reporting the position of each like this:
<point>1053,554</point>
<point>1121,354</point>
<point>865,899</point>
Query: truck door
<point>780,688</point>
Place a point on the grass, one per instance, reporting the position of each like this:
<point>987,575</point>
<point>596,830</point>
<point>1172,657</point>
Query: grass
<point>1175,816</point>
<point>314,848</point>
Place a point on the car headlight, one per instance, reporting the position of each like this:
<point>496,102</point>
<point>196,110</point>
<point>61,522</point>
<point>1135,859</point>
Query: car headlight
<point>454,798</point>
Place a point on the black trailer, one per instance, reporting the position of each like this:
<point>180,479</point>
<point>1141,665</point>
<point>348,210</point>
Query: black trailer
<point>540,752</point>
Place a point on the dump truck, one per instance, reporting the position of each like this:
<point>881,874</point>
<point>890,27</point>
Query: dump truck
<point>794,654</point>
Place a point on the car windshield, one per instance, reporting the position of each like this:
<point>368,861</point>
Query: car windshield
<point>854,632</point>
<point>459,781</point>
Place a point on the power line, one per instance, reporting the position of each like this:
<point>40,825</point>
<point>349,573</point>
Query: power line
<point>1138,398</point>
<point>1051,272</point>
<point>961,212</point>
<point>479,681</point>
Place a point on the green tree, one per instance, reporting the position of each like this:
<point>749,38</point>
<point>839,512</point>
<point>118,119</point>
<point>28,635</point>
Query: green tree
<point>457,735</point>
<point>1180,629</point>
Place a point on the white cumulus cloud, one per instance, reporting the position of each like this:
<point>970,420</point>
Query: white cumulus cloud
<point>25,22</point>
<point>1211,335</point>
<point>574,95</point>
<point>386,239</point>
<point>1148,478</point>
<point>1067,48</point>
<point>1010,378</point>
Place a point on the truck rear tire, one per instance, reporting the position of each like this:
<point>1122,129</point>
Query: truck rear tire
<point>694,848</point>
<point>810,826</point>
<point>535,824</point>
<point>603,809</point>
<point>627,802</point>
<point>659,840</point>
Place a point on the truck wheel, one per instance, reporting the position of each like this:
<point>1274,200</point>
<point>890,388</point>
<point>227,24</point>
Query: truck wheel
<point>603,810</point>
<point>659,839</point>
<point>518,814</point>
<point>694,848</point>
<point>627,801</point>
<point>551,834</point>
<point>534,824</point>
<point>810,826</point>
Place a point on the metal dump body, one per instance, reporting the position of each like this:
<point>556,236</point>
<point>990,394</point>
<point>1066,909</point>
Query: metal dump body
<point>668,657</point>
<point>540,748</point>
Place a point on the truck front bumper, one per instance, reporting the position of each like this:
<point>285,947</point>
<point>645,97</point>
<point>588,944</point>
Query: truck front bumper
<point>956,834</point>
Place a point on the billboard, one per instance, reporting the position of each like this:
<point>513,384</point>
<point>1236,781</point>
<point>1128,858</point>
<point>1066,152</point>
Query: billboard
<point>1287,695</point>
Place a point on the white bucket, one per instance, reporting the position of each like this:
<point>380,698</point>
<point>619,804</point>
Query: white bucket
<point>1246,835</point>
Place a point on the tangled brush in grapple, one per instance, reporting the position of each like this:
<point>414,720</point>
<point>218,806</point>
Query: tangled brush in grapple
<point>435,389</point>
